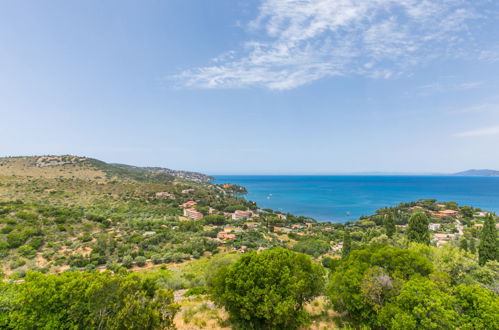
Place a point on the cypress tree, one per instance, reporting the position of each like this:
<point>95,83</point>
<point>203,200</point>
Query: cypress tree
<point>463,244</point>
<point>418,228</point>
<point>487,250</point>
<point>472,246</point>
<point>347,244</point>
<point>389,224</point>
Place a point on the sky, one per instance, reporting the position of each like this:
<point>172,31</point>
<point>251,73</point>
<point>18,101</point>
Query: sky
<point>254,87</point>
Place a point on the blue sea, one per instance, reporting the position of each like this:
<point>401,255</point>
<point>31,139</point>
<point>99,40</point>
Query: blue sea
<point>346,198</point>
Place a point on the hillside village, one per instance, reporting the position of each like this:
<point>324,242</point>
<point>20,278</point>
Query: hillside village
<point>141,214</point>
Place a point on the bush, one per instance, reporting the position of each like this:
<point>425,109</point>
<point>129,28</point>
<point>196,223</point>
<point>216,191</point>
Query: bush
<point>127,261</point>
<point>140,261</point>
<point>198,290</point>
<point>15,239</point>
<point>157,259</point>
<point>17,263</point>
<point>27,251</point>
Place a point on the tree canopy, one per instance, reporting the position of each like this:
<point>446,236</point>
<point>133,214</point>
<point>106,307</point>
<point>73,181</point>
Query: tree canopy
<point>268,289</point>
<point>77,300</point>
<point>393,288</point>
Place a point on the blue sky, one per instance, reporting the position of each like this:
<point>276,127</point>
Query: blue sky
<point>270,86</point>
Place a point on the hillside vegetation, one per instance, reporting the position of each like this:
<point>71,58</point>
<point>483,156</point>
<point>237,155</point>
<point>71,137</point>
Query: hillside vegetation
<point>86,244</point>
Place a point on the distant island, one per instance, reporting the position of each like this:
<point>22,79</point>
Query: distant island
<point>478,173</point>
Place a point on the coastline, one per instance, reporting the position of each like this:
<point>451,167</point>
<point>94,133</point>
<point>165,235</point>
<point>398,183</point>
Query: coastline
<point>330,198</point>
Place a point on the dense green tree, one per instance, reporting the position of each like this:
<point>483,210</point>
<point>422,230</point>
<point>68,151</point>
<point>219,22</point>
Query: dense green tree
<point>478,307</point>
<point>75,300</point>
<point>268,290</point>
<point>389,224</point>
<point>488,249</point>
<point>418,228</point>
<point>421,304</point>
<point>369,277</point>
<point>347,244</point>
<point>467,212</point>
<point>313,247</point>
<point>218,220</point>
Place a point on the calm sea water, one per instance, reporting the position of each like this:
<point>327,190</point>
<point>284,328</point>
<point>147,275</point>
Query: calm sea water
<point>344,198</point>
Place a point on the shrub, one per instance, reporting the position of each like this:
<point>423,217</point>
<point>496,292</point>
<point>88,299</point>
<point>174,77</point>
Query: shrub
<point>17,263</point>
<point>140,261</point>
<point>27,251</point>
<point>127,261</point>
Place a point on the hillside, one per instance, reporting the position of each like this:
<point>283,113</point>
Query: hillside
<point>88,168</point>
<point>473,172</point>
<point>58,212</point>
<point>171,232</point>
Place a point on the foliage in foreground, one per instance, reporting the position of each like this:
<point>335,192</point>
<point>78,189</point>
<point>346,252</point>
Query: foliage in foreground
<point>388,287</point>
<point>268,290</point>
<point>76,300</point>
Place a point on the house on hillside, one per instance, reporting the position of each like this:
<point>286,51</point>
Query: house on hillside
<point>193,214</point>
<point>188,204</point>
<point>241,215</point>
<point>223,235</point>
<point>451,213</point>
<point>434,226</point>
<point>164,195</point>
<point>441,239</point>
<point>282,216</point>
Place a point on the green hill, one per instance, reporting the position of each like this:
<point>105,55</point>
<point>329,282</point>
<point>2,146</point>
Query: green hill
<point>61,212</point>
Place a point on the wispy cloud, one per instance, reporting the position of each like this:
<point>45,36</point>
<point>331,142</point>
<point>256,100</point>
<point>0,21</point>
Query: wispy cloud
<point>442,87</point>
<point>304,40</point>
<point>485,131</point>
<point>480,108</point>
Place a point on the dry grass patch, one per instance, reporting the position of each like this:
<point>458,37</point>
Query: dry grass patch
<point>200,313</point>
<point>323,317</point>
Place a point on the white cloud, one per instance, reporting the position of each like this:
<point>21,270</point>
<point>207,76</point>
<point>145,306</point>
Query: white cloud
<point>485,131</point>
<point>305,40</point>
